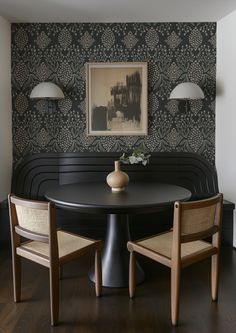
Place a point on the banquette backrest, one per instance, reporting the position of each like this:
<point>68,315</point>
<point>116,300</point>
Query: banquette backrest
<point>38,172</point>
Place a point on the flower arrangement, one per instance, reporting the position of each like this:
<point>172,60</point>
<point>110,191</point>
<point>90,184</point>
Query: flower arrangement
<point>136,157</point>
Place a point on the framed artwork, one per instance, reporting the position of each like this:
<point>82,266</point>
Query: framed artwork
<point>117,98</point>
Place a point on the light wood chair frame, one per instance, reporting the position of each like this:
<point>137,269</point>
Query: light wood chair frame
<point>176,263</point>
<point>53,262</point>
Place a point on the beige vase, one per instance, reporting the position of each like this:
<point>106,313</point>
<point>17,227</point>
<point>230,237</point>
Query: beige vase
<point>117,179</point>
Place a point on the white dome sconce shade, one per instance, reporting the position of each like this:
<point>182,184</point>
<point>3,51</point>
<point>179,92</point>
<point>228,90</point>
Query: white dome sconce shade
<point>47,90</point>
<point>187,91</point>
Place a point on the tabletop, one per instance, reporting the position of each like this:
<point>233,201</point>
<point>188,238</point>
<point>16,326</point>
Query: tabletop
<point>97,197</point>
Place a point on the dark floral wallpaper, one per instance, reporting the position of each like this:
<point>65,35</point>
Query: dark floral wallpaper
<point>175,52</point>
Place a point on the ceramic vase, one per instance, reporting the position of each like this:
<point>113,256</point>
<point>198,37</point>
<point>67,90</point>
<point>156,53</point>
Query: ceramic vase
<point>117,179</point>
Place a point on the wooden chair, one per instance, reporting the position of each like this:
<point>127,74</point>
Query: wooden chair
<point>193,221</point>
<point>35,220</point>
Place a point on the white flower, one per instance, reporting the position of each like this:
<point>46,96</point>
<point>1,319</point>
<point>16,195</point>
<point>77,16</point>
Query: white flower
<point>133,159</point>
<point>137,157</point>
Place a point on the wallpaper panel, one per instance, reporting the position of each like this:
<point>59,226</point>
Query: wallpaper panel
<point>175,52</point>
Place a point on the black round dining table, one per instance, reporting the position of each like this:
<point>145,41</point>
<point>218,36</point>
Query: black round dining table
<point>97,198</point>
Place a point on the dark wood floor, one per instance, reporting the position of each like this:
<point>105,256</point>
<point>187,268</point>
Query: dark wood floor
<point>149,312</point>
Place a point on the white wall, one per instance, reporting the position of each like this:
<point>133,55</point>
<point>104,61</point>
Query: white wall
<point>226,108</point>
<point>5,109</point>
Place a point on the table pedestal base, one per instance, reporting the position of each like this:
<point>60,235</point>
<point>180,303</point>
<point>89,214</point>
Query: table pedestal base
<point>115,256</point>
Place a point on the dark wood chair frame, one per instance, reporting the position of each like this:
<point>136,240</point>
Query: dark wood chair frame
<point>175,262</point>
<point>53,262</point>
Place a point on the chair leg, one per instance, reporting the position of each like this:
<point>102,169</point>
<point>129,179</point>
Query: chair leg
<point>132,277</point>
<point>54,293</point>
<point>16,267</point>
<point>98,273</point>
<point>61,272</point>
<point>175,290</point>
<point>214,276</point>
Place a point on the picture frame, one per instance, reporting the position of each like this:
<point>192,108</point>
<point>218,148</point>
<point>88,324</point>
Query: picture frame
<point>117,99</point>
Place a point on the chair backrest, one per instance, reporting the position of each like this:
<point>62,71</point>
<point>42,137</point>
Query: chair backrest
<point>34,220</point>
<point>197,219</point>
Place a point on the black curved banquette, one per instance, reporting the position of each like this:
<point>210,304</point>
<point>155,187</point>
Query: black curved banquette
<point>36,173</point>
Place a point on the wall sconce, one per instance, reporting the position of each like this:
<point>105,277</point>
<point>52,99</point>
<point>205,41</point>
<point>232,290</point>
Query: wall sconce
<point>187,91</point>
<point>47,90</point>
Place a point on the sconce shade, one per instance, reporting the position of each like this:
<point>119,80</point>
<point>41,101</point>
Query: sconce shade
<point>187,90</point>
<point>47,90</point>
